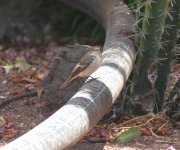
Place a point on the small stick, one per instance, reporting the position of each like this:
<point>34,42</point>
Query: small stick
<point>19,96</point>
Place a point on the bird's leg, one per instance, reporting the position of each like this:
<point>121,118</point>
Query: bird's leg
<point>90,79</point>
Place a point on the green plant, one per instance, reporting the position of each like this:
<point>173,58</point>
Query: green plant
<point>77,23</point>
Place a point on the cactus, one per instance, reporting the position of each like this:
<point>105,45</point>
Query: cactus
<point>159,25</point>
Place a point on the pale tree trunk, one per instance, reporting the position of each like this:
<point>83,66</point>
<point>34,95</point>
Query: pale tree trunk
<point>70,123</point>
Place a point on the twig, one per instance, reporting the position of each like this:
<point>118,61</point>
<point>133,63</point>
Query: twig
<point>19,96</point>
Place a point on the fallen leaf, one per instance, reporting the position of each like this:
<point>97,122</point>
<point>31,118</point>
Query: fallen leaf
<point>129,134</point>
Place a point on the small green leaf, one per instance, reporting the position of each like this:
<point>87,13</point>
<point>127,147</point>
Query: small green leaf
<point>128,135</point>
<point>21,64</point>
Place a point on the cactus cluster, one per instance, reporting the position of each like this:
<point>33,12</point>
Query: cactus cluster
<point>157,30</point>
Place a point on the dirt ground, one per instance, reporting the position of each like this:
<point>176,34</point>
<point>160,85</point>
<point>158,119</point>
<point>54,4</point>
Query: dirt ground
<point>22,115</point>
<point>142,143</point>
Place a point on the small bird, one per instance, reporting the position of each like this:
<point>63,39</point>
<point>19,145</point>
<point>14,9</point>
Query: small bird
<point>86,66</point>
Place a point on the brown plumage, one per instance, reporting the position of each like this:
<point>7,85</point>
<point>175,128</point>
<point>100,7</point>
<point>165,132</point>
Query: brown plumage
<point>86,66</point>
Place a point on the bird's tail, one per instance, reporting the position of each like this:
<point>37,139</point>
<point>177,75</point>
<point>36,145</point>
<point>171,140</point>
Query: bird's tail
<point>66,82</point>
